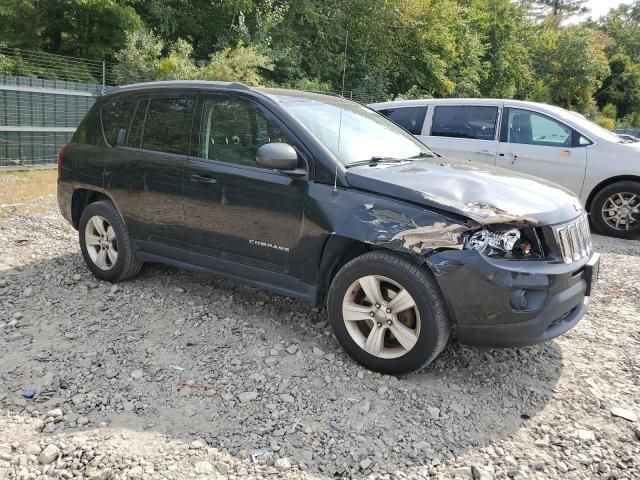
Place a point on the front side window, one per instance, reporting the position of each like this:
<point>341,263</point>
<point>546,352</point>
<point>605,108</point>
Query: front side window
<point>478,123</point>
<point>167,127</point>
<point>116,116</point>
<point>233,130</point>
<point>530,128</point>
<point>352,132</point>
<point>409,118</point>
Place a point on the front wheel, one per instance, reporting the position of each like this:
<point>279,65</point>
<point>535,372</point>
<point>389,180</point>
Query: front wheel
<point>615,210</point>
<point>388,313</point>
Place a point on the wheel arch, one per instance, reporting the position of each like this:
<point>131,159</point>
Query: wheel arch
<point>339,250</point>
<point>83,197</point>
<point>605,183</point>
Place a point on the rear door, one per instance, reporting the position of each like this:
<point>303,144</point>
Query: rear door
<point>534,143</point>
<point>236,210</point>
<point>469,132</point>
<point>145,172</point>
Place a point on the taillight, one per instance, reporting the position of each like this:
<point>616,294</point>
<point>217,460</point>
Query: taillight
<point>60,158</point>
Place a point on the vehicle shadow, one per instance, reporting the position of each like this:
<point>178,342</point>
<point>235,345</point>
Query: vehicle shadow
<point>188,356</point>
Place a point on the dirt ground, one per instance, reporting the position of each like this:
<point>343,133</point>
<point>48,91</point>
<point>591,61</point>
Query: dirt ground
<point>177,375</point>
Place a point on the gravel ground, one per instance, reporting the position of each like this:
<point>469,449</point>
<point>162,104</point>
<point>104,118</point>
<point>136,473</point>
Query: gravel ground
<point>179,375</point>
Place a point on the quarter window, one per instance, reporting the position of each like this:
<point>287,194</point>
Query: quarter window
<point>233,130</point>
<point>530,128</point>
<point>168,125</point>
<point>410,118</point>
<point>116,116</point>
<point>478,123</point>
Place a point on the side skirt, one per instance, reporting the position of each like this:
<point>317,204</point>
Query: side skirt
<point>246,274</point>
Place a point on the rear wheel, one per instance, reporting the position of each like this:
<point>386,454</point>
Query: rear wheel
<point>615,210</point>
<point>105,243</point>
<point>387,313</point>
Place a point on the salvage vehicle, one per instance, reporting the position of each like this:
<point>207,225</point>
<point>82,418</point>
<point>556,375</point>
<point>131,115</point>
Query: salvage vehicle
<point>542,140</point>
<point>322,199</point>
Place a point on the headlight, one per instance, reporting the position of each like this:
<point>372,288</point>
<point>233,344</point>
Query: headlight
<point>500,242</point>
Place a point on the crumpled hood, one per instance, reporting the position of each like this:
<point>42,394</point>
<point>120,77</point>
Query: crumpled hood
<point>480,192</point>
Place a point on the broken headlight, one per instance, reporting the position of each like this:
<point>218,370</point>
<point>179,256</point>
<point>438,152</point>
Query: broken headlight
<point>507,242</point>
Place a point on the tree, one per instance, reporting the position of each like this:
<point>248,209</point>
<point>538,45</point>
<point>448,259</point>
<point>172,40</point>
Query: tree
<point>237,64</point>
<point>572,63</point>
<point>621,88</point>
<point>623,26</point>
<point>86,28</point>
<point>554,12</point>
<point>138,61</point>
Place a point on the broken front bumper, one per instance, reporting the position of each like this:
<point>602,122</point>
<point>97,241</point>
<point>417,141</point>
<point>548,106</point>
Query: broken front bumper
<point>506,303</point>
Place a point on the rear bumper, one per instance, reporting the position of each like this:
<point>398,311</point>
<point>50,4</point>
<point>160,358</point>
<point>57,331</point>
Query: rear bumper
<point>509,303</point>
<point>65,195</point>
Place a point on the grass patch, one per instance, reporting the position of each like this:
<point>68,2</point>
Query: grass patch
<point>19,189</point>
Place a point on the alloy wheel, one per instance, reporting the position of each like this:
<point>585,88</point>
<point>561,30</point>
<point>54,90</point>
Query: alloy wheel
<point>101,242</point>
<point>381,316</point>
<point>621,211</point>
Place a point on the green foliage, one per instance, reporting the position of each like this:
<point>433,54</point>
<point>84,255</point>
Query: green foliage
<point>572,63</point>
<point>237,64</point>
<point>605,122</point>
<point>610,111</point>
<point>412,48</point>
<point>139,59</point>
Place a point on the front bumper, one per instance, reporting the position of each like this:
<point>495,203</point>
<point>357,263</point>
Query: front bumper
<point>505,303</point>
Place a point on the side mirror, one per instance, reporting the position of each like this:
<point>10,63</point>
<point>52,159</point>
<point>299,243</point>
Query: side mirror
<point>278,156</point>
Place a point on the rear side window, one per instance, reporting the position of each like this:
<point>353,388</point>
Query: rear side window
<point>116,116</point>
<point>167,127</point>
<point>409,118</point>
<point>478,123</point>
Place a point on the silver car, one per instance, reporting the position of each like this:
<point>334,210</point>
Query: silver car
<point>541,140</point>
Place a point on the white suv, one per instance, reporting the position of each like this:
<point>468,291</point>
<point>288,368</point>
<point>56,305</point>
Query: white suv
<point>541,140</point>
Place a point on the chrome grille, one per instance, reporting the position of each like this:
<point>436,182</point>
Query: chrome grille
<point>574,239</point>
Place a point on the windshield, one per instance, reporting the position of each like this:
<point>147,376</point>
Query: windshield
<point>365,135</point>
<point>590,127</point>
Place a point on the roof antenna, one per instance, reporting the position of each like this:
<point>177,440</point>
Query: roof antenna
<point>344,73</point>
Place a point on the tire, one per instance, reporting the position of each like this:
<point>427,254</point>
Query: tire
<point>426,321</point>
<point>120,262</point>
<point>609,201</point>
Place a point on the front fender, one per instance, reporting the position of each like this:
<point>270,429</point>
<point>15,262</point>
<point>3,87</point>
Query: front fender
<point>386,222</point>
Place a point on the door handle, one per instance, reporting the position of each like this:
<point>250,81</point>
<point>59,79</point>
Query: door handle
<point>202,179</point>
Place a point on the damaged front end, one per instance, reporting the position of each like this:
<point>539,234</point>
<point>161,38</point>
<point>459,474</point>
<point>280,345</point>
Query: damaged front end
<point>501,240</point>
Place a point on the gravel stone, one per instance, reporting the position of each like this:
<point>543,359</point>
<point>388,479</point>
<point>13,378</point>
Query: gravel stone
<point>211,401</point>
<point>49,454</point>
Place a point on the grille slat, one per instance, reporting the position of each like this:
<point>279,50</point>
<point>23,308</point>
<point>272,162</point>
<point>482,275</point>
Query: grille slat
<point>574,239</point>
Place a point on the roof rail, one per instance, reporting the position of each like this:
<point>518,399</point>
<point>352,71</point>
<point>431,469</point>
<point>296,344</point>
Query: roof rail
<point>331,94</point>
<point>175,83</point>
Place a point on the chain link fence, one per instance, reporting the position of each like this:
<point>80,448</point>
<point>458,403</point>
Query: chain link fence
<point>43,98</point>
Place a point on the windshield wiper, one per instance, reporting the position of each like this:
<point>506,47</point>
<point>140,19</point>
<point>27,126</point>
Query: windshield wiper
<point>375,160</point>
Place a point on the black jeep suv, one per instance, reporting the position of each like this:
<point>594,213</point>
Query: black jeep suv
<point>323,199</point>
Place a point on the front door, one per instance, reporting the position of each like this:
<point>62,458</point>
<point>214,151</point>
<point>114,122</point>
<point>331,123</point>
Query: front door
<point>235,210</point>
<point>534,143</point>
<point>468,132</point>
